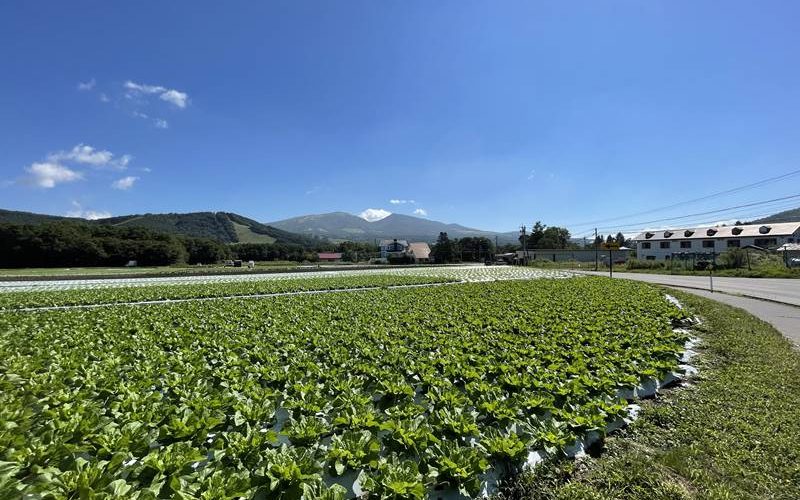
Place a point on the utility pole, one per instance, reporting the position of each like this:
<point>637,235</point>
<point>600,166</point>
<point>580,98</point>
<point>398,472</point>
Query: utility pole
<point>522,230</point>
<point>596,251</point>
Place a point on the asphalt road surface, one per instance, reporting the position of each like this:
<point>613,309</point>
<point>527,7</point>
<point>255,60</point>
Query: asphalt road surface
<point>776,301</point>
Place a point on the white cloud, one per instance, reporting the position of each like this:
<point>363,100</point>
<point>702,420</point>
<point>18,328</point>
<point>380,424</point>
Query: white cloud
<point>180,99</point>
<point>104,98</point>
<point>47,174</point>
<point>421,212</point>
<point>86,214</point>
<point>139,114</point>
<point>87,85</point>
<point>531,175</point>
<point>125,183</point>
<point>373,214</point>
<point>87,155</point>
<point>160,123</point>
<point>172,96</point>
<point>395,201</point>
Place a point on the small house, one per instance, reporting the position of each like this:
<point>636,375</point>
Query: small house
<point>329,256</point>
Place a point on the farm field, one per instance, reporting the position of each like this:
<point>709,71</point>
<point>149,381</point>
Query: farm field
<point>388,392</point>
<point>134,271</point>
<point>459,273</point>
<point>90,296</point>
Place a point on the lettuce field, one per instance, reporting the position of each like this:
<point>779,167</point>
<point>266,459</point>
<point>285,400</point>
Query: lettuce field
<point>385,393</point>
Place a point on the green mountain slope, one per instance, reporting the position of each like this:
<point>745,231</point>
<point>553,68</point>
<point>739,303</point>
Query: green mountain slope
<point>16,217</point>
<point>785,216</point>
<point>198,224</point>
<point>222,226</point>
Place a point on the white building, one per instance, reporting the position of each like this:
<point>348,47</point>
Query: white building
<point>419,252</point>
<point>393,248</point>
<point>660,245</point>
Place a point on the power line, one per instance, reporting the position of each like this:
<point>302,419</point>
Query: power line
<point>710,212</point>
<point>695,200</point>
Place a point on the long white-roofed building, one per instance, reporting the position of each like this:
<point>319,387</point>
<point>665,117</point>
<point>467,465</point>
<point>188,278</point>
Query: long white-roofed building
<point>663,244</point>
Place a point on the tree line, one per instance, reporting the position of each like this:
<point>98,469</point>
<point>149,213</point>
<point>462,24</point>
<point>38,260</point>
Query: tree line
<point>468,249</point>
<point>65,243</point>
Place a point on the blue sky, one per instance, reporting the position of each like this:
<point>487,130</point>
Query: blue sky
<point>489,114</point>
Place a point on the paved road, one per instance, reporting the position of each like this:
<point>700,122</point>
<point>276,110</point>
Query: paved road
<point>780,290</point>
<point>744,293</point>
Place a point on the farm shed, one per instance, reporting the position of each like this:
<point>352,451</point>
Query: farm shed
<point>330,256</point>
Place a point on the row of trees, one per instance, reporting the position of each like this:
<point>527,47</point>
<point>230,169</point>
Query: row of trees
<point>74,244</point>
<point>351,251</point>
<point>540,237</point>
<point>559,238</point>
<point>469,249</point>
<point>64,243</point>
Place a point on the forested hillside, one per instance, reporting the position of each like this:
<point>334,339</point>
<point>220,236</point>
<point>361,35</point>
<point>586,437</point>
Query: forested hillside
<point>785,216</point>
<point>225,227</point>
<point>67,243</point>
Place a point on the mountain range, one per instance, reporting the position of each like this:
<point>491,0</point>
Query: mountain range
<point>337,226</point>
<point>306,230</point>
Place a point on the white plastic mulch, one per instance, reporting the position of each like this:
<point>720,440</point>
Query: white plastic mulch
<point>463,273</point>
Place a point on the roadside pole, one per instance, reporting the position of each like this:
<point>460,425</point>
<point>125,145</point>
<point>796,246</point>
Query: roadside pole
<point>596,252</point>
<point>611,247</point>
<point>711,273</point>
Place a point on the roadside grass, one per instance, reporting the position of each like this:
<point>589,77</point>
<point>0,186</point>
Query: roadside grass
<point>733,433</point>
<point>767,272</point>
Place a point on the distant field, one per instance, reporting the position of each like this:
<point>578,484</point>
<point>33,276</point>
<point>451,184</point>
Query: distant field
<point>246,235</point>
<point>133,271</point>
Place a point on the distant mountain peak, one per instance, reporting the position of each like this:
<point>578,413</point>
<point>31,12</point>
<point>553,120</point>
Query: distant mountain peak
<point>344,226</point>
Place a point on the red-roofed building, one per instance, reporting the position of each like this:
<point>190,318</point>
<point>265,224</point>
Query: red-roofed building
<point>330,256</point>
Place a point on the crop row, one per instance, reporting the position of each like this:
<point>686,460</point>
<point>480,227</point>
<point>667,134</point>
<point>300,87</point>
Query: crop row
<point>471,273</point>
<point>17,300</point>
<point>409,390</point>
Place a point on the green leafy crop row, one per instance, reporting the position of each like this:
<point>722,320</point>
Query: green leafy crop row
<point>17,300</point>
<point>412,389</point>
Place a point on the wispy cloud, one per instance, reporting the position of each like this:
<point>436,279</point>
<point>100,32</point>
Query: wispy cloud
<point>157,122</point>
<point>531,175</point>
<point>396,201</point>
<point>373,214</point>
<point>104,98</point>
<point>175,97</point>
<point>78,211</point>
<point>125,183</point>
<point>47,175</point>
<point>88,155</point>
<point>313,190</point>
<point>87,85</point>
<point>421,212</point>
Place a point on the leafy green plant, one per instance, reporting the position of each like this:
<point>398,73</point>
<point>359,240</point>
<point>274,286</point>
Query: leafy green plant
<point>394,480</point>
<point>352,450</point>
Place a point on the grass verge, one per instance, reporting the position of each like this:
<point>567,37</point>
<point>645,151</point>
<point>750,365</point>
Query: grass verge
<point>734,434</point>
